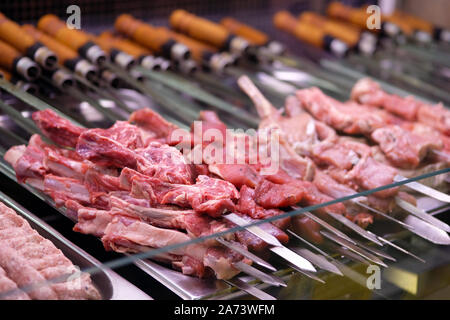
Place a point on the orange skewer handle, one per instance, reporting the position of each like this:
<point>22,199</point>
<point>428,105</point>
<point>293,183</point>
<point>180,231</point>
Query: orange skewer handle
<point>13,61</point>
<point>349,35</point>
<point>353,36</point>
<point>207,31</point>
<point>23,85</point>
<point>66,56</point>
<point>12,33</point>
<point>204,54</point>
<point>75,39</point>
<point>415,22</point>
<point>424,30</point>
<point>149,37</point>
<point>198,49</point>
<point>252,35</point>
<point>125,45</point>
<point>63,52</point>
<point>142,55</point>
<point>119,57</point>
<point>5,74</point>
<point>309,33</point>
<point>360,17</point>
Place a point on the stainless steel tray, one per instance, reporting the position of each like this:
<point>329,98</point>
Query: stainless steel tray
<point>111,285</point>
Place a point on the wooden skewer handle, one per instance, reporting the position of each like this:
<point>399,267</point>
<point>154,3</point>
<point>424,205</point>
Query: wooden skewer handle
<point>75,39</point>
<point>66,56</point>
<point>63,52</point>
<point>142,55</point>
<point>18,82</point>
<point>254,36</point>
<point>199,50</point>
<point>424,28</point>
<point>116,55</point>
<point>415,22</point>
<point>199,28</point>
<point>125,45</point>
<point>360,17</point>
<point>207,31</point>
<point>404,26</point>
<point>8,56</point>
<point>56,28</point>
<point>309,33</point>
<point>339,11</point>
<point>5,74</point>
<point>13,61</point>
<point>150,37</point>
<point>11,33</point>
<point>348,34</point>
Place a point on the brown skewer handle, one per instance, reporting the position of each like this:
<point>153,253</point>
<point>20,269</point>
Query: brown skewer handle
<point>13,61</point>
<point>110,78</point>
<point>207,31</point>
<point>351,35</point>
<point>26,86</point>
<point>252,35</point>
<point>11,33</point>
<point>309,33</point>
<point>125,45</point>
<point>423,29</point>
<point>148,36</point>
<point>142,55</point>
<point>5,74</point>
<point>420,32</point>
<point>122,59</point>
<point>66,56</point>
<point>359,17</point>
<point>202,54</point>
<point>60,78</point>
<point>348,35</point>
<point>75,39</point>
<point>405,28</point>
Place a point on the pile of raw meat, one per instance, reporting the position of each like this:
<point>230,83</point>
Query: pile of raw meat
<point>130,186</point>
<point>27,259</point>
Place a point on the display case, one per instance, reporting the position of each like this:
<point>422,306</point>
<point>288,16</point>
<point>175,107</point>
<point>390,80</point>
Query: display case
<point>150,234</point>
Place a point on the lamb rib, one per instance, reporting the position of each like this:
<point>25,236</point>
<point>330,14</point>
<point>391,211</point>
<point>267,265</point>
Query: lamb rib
<point>366,91</point>
<point>273,119</point>
<point>402,147</point>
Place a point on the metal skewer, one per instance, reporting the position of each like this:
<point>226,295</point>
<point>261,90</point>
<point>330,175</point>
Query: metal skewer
<point>246,254</point>
<point>385,215</point>
<point>353,248</point>
<point>422,214</point>
<point>393,245</point>
<point>317,260</point>
<point>275,246</point>
<point>252,290</point>
<point>264,277</point>
<point>325,224</point>
<point>419,187</point>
